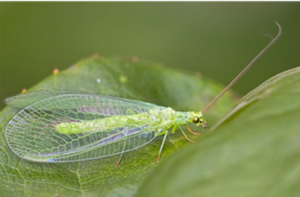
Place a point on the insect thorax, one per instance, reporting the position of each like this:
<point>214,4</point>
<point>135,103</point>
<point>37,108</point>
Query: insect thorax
<point>165,114</point>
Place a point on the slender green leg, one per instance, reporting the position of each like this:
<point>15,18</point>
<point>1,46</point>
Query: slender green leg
<point>120,158</point>
<point>190,130</point>
<point>186,137</point>
<point>174,128</point>
<point>162,145</point>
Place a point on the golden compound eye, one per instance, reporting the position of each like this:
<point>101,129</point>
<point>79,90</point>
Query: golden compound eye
<point>196,119</point>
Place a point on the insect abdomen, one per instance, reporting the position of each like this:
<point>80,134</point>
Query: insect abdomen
<point>102,125</point>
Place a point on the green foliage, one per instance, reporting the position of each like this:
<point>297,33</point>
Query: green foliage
<point>254,151</point>
<point>127,78</point>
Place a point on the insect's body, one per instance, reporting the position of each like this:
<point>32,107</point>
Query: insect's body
<point>155,117</point>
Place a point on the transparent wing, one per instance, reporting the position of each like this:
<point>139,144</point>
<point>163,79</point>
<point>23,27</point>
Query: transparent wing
<point>32,133</point>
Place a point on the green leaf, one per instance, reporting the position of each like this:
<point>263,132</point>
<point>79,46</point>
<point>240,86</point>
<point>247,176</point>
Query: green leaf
<point>139,80</point>
<point>254,151</point>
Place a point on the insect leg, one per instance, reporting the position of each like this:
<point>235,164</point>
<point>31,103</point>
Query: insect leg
<point>186,137</point>
<point>162,145</point>
<point>190,130</point>
<point>120,158</point>
<point>174,128</point>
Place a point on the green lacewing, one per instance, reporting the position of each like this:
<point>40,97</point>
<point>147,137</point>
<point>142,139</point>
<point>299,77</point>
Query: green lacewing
<point>66,127</point>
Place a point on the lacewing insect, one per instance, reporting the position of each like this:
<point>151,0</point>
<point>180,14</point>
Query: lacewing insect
<point>67,127</point>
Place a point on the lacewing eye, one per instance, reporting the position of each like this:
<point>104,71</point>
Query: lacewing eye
<point>196,119</point>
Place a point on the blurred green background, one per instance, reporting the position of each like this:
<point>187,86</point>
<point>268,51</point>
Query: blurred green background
<point>215,39</point>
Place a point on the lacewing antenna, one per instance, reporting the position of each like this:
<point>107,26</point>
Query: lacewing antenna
<point>244,70</point>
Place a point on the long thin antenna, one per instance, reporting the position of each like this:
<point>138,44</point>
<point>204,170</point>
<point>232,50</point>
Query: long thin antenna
<point>244,70</point>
